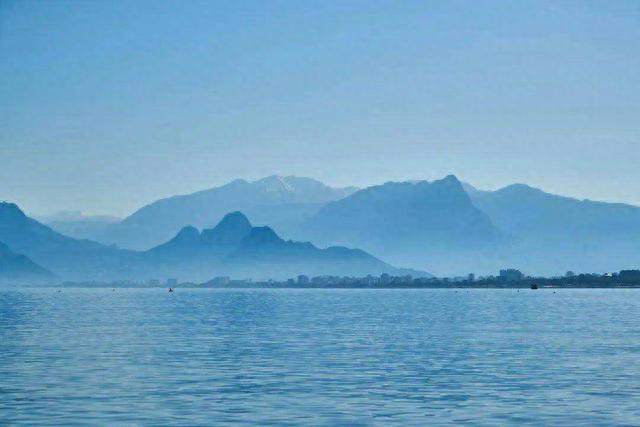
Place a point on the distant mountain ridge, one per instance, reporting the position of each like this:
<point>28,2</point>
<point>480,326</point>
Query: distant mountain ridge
<point>235,248</point>
<point>76,224</point>
<point>232,247</point>
<point>278,201</point>
<point>416,223</point>
<point>445,226</point>
<point>75,216</point>
<point>65,256</point>
<point>550,234</point>
<point>18,268</point>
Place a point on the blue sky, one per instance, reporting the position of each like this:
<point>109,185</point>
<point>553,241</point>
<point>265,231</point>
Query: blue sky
<point>105,106</point>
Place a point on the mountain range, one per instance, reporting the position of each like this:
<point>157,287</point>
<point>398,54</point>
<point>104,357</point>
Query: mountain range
<point>233,247</point>
<point>550,234</point>
<point>446,227</point>
<point>78,225</point>
<point>18,268</point>
<point>411,223</point>
<point>280,202</point>
<point>449,227</point>
<point>65,256</point>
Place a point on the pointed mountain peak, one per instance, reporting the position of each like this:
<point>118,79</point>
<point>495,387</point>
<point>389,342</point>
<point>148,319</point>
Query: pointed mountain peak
<point>233,221</point>
<point>230,230</point>
<point>276,183</point>
<point>449,180</point>
<point>261,236</point>
<point>187,234</point>
<point>518,187</point>
<point>521,190</point>
<point>11,212</point>
<point>450,190</point>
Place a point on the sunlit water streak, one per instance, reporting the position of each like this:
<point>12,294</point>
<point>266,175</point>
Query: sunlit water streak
<point>328,357</point>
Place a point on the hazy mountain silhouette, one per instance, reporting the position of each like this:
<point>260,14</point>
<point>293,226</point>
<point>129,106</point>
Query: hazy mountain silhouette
<point>418,224</point>
<point>76,224</point>
<point>73,216</point>
<point>237,249</point>
<point>262,250</point>
<point>65,256</point>
<point>232,247</point>
<point>549,234</point>
<point>195,255</point>
<point>281,202</point>
<point>444,226</point>
<point>14,267</point>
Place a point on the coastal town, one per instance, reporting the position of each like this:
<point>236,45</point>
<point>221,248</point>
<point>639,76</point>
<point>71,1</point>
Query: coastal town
<point>507,278</point>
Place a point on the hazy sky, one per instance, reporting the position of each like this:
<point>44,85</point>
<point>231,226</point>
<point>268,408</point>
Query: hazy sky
<point>107,105</point>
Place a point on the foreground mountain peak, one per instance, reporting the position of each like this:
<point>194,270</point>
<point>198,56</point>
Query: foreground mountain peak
<point>233,219</point>
<point>187,234</point>
<point>230,230</point>
<point>10,212</point>
<point>16,267</point>
<point>261,236</point>
<point>450,179</point>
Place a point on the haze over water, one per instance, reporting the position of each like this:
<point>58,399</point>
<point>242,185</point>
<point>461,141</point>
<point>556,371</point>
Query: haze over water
<point>319,357</point>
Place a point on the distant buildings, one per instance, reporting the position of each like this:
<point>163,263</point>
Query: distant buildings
<point>508,278</point>
<point>511,275</point>
<point>172,282</point>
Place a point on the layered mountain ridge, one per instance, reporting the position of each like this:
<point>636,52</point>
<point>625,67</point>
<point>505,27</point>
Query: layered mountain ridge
<point>414,223</point>
<point>65,256</point>
<point>233,247</point>
<point>550,234</point>
<point>18,268</point>
<point>277,201</point>
<point>444,226</point>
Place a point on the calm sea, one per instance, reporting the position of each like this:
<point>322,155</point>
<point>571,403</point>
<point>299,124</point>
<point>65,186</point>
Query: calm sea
<point>319,357</point>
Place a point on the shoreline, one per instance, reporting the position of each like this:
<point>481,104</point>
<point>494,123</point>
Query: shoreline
<point>256,286</point>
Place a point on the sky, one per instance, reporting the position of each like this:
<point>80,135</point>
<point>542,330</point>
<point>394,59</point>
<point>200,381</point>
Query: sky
<point>108,105</point>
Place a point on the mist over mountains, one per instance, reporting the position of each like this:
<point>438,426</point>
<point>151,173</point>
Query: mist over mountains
<point>233,247</point>
<point>236,248</point>
<point>78,225</point>
<point>445,226</point>
<point>279,202</point>
<point>18,268</point>
<point>65,256</point>
<point>550,234</point>
<point>411,223</point>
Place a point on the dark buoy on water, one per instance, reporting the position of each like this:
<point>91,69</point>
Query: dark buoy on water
<point>534,286</point>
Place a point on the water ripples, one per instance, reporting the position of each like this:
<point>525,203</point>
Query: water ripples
<point>319,357</point>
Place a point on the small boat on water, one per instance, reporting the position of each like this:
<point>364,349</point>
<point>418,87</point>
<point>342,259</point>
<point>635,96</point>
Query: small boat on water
<point>170,289</point>
<point>534,286</point>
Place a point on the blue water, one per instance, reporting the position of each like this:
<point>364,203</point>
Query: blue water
<point>319,357</point>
